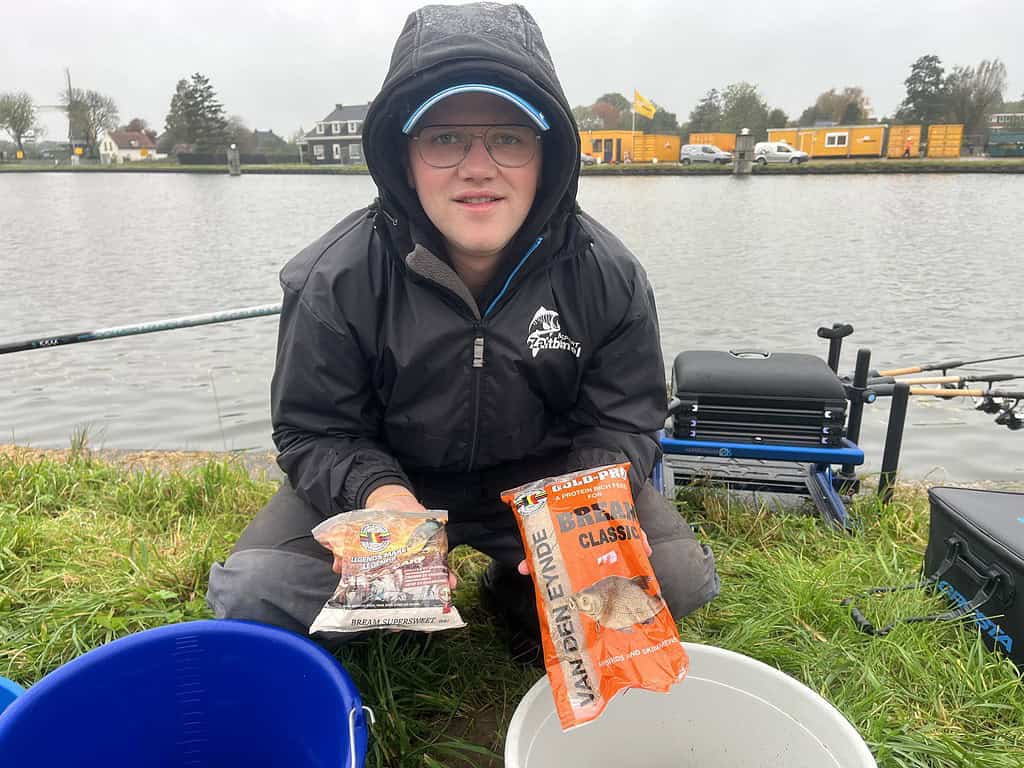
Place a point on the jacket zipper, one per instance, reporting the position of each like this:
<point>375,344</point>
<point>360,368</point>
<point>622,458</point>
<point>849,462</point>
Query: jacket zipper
<point>478,364</point>
<point>478,354</point>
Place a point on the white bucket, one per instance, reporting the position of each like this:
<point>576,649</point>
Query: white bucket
<point>731,711</point>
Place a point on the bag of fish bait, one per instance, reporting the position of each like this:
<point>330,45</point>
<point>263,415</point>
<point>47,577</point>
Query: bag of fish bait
<point>604,625</point>
<point>394,572</point>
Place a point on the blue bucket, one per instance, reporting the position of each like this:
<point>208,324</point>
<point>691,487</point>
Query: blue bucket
<point>203,693</point>
<point>9,691</point>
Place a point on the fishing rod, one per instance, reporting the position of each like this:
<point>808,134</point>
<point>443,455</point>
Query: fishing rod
<point>943,366</point>
<point>945,379</point>
<point>60,340</point>
<point>986,400</point>
<point>886,390</point>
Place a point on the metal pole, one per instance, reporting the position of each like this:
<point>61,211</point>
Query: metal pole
<point>234,161</point>
<point>860,380</point>
<point>893,441</point>
<point>632,149</point>
<point>134,330</point>
<point>743,153</point>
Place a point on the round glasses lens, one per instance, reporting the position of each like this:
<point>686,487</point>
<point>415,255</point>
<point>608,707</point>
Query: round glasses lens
<point>443,146</point>
<point>511,145</point>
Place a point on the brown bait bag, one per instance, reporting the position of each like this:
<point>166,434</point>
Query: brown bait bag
<point>394,572</point>
<point>604,625</point>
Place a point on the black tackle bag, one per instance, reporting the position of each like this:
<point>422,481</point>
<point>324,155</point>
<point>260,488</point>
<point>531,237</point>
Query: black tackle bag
<point>975,556</point>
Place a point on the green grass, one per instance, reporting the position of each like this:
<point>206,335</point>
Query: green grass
<point>816,166</point>
<point>90,552</point>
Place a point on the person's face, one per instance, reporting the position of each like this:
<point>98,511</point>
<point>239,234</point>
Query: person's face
<point>477,205</point>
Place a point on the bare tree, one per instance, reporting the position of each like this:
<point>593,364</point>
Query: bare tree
<point>17,116</point>
<point>843,107</point>
<point>586,120</point>
<point>89,113</point>
<point>974,93</point>
<point>240,135</point>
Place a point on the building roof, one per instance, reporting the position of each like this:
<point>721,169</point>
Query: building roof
<point>265,140</point>
<point>350,112</point>
<point>341,114</point>
<point>131,140</point>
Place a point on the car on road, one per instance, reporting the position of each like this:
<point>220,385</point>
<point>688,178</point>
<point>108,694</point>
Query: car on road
<point>778,152</point>
<point>704,153</point>
<point>586,159</point>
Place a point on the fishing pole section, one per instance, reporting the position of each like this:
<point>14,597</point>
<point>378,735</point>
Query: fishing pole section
<point>64,339</point>
<point>865,386</point>
<point>1004,404</point>
<point>900,384</point>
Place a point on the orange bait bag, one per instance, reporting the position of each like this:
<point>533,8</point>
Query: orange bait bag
<point>394,572</point>
<point>604,625</point>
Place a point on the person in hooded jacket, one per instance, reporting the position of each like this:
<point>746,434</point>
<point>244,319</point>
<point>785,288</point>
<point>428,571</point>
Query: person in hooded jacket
<point>470,331</point>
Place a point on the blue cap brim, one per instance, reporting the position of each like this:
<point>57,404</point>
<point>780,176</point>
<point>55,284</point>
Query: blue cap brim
<point>531,111</point>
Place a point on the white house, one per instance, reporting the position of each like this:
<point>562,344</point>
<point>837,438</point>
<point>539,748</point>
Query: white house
<point>127,146</point>
<point>338,138</point>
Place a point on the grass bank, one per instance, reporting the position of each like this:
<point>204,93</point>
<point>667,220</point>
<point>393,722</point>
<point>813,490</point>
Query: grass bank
<point>814,167</point>
<point>146,167</point>
<point>91,550</point>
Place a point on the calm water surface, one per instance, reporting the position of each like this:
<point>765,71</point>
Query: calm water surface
<point>925,268</point>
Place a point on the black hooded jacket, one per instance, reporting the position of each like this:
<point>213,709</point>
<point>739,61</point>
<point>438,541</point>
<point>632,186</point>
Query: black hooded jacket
<point>386,363</point>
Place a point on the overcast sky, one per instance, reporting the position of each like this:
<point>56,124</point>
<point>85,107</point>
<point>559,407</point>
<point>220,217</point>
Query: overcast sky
<point>284,64</point>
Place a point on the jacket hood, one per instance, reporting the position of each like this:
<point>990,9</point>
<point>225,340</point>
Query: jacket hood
<point>486,43</point>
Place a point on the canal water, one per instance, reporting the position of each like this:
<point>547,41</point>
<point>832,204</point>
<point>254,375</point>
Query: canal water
<point>924,267</point>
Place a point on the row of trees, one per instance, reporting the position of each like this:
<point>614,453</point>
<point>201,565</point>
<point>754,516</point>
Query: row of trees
<point>739,105</point>
<point>965,95</point>
<point>196,118</point>
<point>612,111</point>
<point>89,114</point>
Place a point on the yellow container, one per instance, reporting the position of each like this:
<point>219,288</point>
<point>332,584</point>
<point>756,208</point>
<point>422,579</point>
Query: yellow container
<point>900,136</point>
<point>842,141</point>
<point>945,140</point>
<point>726,141</point>
<point>788,135</point>
<point>630,146</point>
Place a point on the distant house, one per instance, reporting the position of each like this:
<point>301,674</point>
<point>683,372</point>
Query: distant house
<point>1007,121</point>
<point>127,146</point>
<point>267,142</point>
<point>338,138</point>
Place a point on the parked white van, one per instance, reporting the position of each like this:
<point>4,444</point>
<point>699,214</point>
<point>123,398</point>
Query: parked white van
<point>778,152</point>
<point>704,153</point>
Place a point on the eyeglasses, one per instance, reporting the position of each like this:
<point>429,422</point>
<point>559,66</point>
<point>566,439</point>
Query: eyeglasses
<point>445,146</point>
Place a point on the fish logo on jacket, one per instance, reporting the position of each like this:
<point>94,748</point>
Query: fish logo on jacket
<point>545,332</point>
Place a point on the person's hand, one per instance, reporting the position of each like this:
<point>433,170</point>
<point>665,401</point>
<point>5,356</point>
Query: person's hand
<point>396,497</point>
<point>524,569</point>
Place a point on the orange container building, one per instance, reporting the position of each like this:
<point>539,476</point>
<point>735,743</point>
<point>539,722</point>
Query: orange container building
<point>899,135</point>
<point>834,140</point>
<point>945,140</point>
<point>630,146</point>
<point>726,141</point>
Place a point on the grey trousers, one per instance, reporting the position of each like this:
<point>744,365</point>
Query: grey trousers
<point>278,574</point>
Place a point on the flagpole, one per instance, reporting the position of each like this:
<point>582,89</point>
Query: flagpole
<point>632,151</point>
